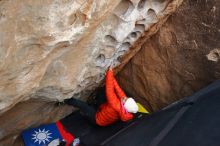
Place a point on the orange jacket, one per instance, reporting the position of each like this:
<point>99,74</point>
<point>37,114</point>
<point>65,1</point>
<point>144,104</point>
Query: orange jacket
<point>112,110</point>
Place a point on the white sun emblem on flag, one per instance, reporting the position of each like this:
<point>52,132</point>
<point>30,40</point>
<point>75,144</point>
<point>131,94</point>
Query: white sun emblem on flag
<point>41,136</point>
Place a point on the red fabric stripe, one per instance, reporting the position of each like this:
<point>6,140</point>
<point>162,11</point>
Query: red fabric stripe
<point>65,135</point>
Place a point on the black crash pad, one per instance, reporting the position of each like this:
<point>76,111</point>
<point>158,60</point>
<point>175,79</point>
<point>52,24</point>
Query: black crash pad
<point>192,121</point>
<point>90,134</point>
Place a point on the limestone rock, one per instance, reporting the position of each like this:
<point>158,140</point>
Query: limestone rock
<point>55,49</point>
<point>214,55</point>
<point>179,60</point>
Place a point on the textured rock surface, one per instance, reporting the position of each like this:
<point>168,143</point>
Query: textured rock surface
<point>54,49</point>
<point>180,59</point>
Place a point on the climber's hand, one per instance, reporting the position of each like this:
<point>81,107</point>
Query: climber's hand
<point>111,66</point>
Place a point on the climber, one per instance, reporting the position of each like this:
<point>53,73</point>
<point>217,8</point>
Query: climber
<point>117,106</point>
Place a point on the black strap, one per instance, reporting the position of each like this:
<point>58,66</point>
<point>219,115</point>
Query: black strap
<point>156,141</point>
<point>117,133</point>
<point>188,101</point>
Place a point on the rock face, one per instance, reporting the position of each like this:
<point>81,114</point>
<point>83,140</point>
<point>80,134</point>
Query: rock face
<point>54,49</point>
<point>180,59</point>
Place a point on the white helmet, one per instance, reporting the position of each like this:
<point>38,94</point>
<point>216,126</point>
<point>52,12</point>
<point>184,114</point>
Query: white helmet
<point>131,106</point>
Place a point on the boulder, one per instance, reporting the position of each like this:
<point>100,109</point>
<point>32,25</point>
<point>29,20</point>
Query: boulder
<point>179,60</point>
<point>56,49</point>
<point>51,50</point>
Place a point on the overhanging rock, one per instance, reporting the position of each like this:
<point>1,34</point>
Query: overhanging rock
<point>55,49</point>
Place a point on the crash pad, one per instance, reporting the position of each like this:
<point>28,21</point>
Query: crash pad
<point>41,136</point>
<point>192,121</point>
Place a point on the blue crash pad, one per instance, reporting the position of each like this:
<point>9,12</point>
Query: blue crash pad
<point>41,136</point>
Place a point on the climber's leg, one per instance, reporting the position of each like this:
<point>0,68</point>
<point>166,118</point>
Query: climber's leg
<point>88,111</point>
<point>100,97</point>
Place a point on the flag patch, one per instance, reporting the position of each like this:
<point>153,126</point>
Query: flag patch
<point>41,136</point>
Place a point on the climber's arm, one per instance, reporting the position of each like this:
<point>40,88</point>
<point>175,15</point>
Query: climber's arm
<point>112,97</point>
<point>110,93</point>
<point>118,90</point>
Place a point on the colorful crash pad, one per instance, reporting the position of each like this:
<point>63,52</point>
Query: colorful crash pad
<point>41,136</point>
